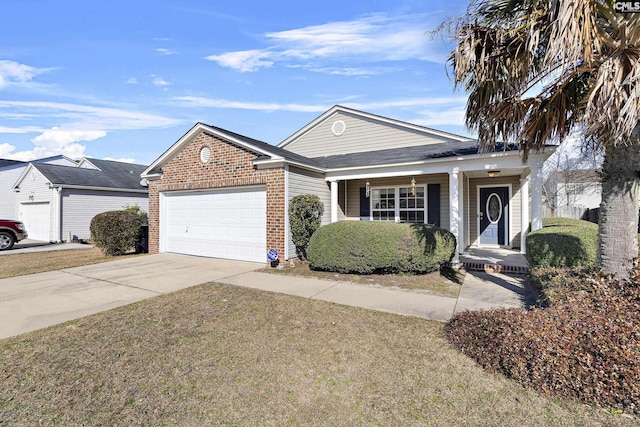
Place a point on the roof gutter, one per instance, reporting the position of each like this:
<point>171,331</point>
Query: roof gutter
<point>82,187</point>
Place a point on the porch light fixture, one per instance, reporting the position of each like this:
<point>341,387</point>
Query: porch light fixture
<point>367,189</point>
<point>493,174</point>
<point>413,186</point>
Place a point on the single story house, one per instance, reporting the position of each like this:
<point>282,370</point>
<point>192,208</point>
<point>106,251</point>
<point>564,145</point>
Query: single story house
<point>10,171</point>
<point>220,194</point>
<point>56,202</point>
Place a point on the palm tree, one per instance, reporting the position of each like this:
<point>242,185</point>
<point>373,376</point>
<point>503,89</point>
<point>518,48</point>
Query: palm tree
<point>536,71</point>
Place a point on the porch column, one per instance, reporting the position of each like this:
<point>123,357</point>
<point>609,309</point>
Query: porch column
<point>524,216</point>
<point>456,206</point>
<point>536,197</point>
<point>334,201</point>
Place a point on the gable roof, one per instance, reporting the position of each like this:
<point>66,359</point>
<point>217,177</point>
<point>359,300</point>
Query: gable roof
<point>112,175</point>
<point>374,117</point>
<point>264,151</point>
<point>8,162</point>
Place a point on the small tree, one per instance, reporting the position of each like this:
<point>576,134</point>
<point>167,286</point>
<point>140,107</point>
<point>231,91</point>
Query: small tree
<point>305,213</point>
<point>116,232</point>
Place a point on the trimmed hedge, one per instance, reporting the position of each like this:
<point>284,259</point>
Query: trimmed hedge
<point>116,232</point>
<point>368,247</point>
<point>585,346</point>
<point>563,242</point>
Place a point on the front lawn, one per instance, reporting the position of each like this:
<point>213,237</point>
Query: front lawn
<point>12,265</point>
<point>223,355</point>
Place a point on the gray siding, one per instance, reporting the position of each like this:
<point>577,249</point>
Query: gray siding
<point>80,206</point>
<point>353,190</point>
<point>360,135</point>
<point>8,177</point>
<point>305,182</point>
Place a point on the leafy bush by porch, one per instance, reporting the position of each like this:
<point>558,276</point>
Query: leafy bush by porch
<point>305,215</point>
<point>563,242</point>
<point>116,232</point>
<point>366,247</point>
<point>585,345</point>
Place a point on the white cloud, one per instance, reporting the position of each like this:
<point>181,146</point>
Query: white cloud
<point>12,72</point>
<point>159,82</point>
<point>163,51</point>
<point>78,123</point>
<point>247,60</point>
<point>449,116</point>
<point>194,101</point>
<point>132,81</point>
<point>6,149</point>
<point>370,39</point>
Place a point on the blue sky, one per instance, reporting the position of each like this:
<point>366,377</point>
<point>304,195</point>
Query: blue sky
<point>126,79</point>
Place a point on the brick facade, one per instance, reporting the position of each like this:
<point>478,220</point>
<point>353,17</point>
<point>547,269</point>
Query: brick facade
<point>229,166</point>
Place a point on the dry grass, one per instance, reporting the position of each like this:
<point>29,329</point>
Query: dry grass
<point>446,283</point>
<point>222,355</point>
<point>38,262</point>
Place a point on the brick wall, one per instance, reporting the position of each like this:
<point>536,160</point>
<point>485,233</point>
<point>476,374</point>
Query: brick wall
<point>229,166</point>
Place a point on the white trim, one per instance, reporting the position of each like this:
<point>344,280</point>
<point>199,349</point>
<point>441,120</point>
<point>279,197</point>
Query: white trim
<point>369,116</point>
<point>397,208</point>
<point>508,229</point>
<point>83,187</point>
<point>287,231</point>
<point>274,163</point>
<point>524,213</point>
<point>334,201</point>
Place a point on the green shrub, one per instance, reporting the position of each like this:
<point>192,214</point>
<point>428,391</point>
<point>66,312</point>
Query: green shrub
<point>367,247</point>
<point>585,346</point>
<point>563,242</point>
<point>116,232</point>
<point>305,215</point>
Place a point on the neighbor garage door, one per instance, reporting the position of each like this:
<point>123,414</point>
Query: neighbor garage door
<point>229,224</point>
<point>37,220</point>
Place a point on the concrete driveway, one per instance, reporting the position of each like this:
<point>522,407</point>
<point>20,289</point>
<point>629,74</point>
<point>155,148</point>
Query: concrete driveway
<point>39,300</point>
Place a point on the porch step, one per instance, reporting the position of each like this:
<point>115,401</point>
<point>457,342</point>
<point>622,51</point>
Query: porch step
<point>494,268</point>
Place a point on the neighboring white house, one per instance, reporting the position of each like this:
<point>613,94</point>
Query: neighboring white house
<point>56,203</point>
<point>579,188</point>
<point>10,171</point>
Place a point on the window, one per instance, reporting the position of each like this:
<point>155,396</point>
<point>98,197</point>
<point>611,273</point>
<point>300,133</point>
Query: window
<point>383,204</point>
<point>398,204</point>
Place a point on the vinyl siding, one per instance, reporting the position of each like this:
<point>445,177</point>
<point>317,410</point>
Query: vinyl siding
<point>353,190</point>
<point>80,206</point>
<point>515,206</point>
<point>360,135</point>
<point>305,182</point>
<point>35,189</point>
<point>8,177</point>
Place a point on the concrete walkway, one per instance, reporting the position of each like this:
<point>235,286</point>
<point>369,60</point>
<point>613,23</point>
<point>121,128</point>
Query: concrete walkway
<point>480,291</point>
<point>39,300</point>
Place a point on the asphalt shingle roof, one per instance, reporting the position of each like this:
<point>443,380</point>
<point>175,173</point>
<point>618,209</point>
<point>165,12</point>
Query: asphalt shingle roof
<point>8,162</point>
<point>111,175</point>
<point>405,155</point>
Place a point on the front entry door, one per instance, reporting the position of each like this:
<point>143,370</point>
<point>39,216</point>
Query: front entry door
<point>494,215</point>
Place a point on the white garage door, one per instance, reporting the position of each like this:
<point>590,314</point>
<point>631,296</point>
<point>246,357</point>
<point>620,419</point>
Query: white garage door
<point>229,224</point>
<point>37,220</point>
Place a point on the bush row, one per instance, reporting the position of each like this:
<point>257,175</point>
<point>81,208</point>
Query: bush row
<point>585,345</point>
<point>563,242</point>
<point>367,247</point>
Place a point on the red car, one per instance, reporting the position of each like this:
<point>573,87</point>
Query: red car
<point>10,233</point>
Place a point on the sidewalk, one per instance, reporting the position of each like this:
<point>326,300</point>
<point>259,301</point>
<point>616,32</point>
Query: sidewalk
<point>480,291</point>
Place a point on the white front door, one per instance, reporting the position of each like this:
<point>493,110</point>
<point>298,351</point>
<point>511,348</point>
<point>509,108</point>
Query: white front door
<point>37,220</point>
<point>230,224</point>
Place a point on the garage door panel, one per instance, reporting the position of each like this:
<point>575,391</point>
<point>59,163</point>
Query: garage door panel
<point>228,224</point>
<point>37,220</point>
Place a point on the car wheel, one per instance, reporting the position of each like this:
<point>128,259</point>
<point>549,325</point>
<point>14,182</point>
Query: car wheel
<point>6,240</point>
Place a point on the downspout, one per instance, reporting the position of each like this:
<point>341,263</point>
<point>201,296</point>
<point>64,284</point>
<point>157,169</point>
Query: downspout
<point>57,214</point>
<point>286,213</point>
